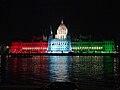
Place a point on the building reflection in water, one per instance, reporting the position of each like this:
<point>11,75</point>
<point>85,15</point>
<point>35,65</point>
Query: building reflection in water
<point>59,67</point>
<point>44,69</point>
<point>87,67</point>
<point>32,70</point>
<point>93,69</point>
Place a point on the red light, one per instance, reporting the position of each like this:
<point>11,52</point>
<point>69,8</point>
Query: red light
<point>29,47</point>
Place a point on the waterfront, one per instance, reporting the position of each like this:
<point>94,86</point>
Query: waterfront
<point>91,72</point>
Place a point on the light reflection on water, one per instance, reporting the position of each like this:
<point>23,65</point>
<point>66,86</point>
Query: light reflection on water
<point>97,70</point>
<point>59,68</point>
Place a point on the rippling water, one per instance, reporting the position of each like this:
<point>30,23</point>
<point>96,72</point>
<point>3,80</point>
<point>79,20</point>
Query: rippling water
<point>100,71</point>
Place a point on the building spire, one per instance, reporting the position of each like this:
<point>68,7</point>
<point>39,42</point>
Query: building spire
<point>62,21</point>
<point>51,30</point>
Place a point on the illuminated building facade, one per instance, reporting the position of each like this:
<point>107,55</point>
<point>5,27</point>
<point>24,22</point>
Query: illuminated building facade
<point>63,46</point>
<point>29,47</point>
<point>61,43</point>
<point>94,47</point>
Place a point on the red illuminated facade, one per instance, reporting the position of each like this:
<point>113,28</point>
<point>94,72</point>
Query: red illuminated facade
<point>29,47</point>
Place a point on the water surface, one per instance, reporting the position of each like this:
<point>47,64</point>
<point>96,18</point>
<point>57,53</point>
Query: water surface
<point>85,71</point>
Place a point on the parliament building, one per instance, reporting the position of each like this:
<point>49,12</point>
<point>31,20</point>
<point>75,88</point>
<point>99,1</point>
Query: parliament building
<point>61,43</point>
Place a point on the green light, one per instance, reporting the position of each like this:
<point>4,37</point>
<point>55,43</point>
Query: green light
<point>93,47</point>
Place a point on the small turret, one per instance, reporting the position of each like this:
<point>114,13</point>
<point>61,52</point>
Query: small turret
<point>51,30</point>
<point>51,33</point>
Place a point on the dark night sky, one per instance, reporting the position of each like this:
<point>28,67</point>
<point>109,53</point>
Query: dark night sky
<point>23,19</point>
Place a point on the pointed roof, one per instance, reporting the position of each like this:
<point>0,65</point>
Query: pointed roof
<point>62,28</point>
<point>62,25</point>
<point>62,21</point>
<point>51,30</point>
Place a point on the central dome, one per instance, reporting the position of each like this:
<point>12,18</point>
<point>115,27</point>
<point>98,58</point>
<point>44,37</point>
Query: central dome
<point>61,31</point>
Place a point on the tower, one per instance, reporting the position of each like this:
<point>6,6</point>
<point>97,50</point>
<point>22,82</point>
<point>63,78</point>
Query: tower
<point>61,43</point>
<point>50,39</point>
<point>51,33</point>
<point>61,31</point>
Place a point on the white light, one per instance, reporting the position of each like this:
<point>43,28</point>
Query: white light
<point>7,47</point>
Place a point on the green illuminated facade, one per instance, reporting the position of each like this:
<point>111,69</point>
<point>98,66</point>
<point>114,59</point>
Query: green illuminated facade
<point>93,46</point>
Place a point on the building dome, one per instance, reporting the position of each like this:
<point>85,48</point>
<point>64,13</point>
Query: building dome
<point>62,31</point>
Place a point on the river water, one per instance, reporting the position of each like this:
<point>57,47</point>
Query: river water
<point>86,71</point>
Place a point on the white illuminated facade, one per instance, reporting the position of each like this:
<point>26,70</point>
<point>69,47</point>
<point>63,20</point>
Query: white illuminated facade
<point>61,43</point>
<point>62,31</point>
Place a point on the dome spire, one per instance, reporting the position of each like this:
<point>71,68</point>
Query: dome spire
<point>62,21</point>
